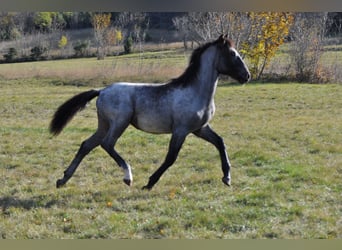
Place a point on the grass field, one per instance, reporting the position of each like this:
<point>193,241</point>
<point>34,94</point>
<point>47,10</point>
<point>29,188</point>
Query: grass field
<point>157,66</point>
<point>284,142</point>
<point>151,66</point>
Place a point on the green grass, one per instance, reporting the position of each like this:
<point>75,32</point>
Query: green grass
<point>284,142</point>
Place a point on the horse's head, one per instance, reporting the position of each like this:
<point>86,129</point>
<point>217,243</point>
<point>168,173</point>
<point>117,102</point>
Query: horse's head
<point>230,62</point>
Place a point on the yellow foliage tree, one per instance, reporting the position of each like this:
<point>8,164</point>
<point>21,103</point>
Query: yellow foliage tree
<point>268,32</point>
<point>118,35</point>
<point>62,42</point>
<point>101,24</point>
<point>113,36</point>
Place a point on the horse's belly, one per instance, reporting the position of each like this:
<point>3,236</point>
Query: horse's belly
<point>152,124</point>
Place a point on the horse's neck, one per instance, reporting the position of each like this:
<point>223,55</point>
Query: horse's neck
<point>207,76</point>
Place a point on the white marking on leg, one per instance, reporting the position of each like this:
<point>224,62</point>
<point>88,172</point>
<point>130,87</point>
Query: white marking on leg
<point>128,178</point>
<point>128,174</point>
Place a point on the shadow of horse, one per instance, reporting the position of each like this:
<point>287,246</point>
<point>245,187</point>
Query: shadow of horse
<point>27,204</point>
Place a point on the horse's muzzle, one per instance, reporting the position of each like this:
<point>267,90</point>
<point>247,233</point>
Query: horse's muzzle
<point>244,77</point>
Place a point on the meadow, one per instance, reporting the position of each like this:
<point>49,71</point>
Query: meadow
<point>284,143</point>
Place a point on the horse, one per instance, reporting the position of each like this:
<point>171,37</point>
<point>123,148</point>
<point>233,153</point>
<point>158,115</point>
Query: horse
<point>181,106</point>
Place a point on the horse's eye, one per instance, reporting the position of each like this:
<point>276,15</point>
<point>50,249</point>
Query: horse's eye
<point>232,53</point>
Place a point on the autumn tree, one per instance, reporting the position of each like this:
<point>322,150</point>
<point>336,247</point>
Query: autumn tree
<point>62,42</point>
<point>101,25</point>
<point>268,30</point>
<point>118,35</point>
<point>257,35</point>
<point>113,36</point>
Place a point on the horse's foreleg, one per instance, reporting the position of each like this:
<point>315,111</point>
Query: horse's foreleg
<point>84,149</point>
<point>209,135</point>
<point>175,145</point>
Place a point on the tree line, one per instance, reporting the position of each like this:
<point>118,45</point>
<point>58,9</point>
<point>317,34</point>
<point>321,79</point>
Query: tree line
<point>109,29</point>
<point>258,35</point>
<point>16,24</point>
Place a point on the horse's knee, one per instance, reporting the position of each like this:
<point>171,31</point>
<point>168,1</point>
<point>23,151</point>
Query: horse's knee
<point>220,142</point>
<point>107,146</point>
<point>89,144</point>
<point>86,147</point>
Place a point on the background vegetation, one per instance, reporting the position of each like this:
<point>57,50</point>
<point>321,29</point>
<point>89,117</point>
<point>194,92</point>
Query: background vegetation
<point>36,36</point>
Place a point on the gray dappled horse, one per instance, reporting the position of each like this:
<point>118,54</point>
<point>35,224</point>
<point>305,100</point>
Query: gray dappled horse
<point>182,106</point>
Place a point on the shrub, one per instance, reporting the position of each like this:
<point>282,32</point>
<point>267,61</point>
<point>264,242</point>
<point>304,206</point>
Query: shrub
<point>12,53</point>
<point>81,49</point>
<point>37,53</point>
<point>128,45</point>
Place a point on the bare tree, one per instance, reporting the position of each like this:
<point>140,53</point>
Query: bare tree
<point>335,23</point>
<point>200,27</point>
<point>181,25</point>
<point>134,26</point>
<point>306,48</point>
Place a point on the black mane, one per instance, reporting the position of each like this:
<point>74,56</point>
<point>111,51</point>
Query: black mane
<point>191,71</point>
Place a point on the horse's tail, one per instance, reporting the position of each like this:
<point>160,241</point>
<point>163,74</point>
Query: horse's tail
<point>68,109</point>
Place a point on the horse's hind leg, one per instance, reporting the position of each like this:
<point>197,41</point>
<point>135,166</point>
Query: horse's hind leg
<point>115,131</point>
<point>84,149</point>
<point>86,146</point>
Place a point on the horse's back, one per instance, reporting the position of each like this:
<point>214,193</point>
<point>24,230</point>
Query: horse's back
<point>114,101</point>
<point>144,105</point>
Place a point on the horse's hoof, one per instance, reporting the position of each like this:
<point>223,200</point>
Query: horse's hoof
<point>127,182</point>
<point>147,187</point>
<point>59,183</point>
<point>226,181</point>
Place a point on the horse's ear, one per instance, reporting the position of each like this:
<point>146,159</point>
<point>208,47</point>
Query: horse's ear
<point>224,40</point>
<point>221,39</point>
